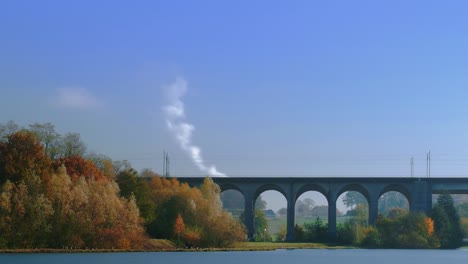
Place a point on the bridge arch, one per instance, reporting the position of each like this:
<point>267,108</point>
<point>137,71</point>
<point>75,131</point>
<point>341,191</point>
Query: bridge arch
<point>394,196</point>
<point>397,188</point>
<point>230,186</point>
<point>310,187</point>
<point>270,187</point>
<point>355,188</point>
<point>360,214</point>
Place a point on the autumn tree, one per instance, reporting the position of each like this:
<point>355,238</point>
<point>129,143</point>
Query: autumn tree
<point>78,166</point>
<point>22,156</point>
<point>24,214</point>
<point>206,222</point>
<point>179,227</point>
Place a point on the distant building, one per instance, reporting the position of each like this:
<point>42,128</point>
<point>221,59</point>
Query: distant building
<point>269,213</point>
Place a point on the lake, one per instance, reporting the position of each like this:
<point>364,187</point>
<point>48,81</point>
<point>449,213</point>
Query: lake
<point>322,256</point>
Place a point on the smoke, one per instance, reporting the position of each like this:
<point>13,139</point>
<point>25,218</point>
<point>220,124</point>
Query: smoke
<point>175,119</point>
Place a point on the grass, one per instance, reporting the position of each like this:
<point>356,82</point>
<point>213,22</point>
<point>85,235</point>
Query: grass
<point>162,244</point>
<point>281,245</point>
<point>275,224</point>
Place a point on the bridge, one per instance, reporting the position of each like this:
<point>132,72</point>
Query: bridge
<point>418,192</point>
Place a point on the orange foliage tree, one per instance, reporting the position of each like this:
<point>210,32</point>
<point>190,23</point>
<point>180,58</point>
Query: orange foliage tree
<point>179,227</point>
<point>20,156</point>
<point>78,166</point>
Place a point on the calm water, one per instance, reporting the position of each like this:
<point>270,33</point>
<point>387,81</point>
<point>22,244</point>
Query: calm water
<point>271,257</point>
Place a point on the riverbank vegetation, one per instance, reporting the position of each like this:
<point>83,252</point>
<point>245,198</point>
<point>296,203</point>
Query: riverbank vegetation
<point>399,229</point>
<point>54,195</point>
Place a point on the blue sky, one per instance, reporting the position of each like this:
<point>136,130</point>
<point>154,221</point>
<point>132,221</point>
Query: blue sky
<point>272,87</point>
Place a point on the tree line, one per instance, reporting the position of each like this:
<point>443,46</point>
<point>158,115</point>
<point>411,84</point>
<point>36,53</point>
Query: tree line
<point>53,194</point>
<point>397,228</point>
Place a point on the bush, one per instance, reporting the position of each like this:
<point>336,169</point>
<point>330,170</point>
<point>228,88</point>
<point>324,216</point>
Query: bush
<point>413,230</point>
<point>316,231</point>
<point>372,238</point>
<point>299,233</point>
<point>345,234</point>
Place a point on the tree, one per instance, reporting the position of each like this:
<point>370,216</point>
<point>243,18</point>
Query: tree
<point>282,211</point>
<point>260,203</point>
<point>78,166</point>
<point>353,198</point>
<point>410,230</point>
<point>22,156</point>
<point>309,205</point>
<point>179,227</point>
<point>132,185</point>
<point>447,222</point>
<point>206,222</point>
<point>305,207</point>
<point>104,164</point>
<point>7,129</point>
<point>71,145</point>
<point>47,136</point>
<point>463,209</point>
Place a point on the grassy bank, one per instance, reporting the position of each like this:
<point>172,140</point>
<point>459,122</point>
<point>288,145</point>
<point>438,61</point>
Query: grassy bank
<point>282,245</point>
<point>162,245</point>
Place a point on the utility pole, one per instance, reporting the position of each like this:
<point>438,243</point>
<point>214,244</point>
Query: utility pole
<point>166,163</point>
<point>168,166</point>
<point>412,166</point>
<point>428,164</point>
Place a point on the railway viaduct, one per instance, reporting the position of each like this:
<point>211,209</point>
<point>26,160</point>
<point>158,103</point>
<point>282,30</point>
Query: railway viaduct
<point>418,191</point>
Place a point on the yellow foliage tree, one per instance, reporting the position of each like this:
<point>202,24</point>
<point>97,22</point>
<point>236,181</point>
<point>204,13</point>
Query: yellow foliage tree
<point>179,227</point>
<point>429,223</point>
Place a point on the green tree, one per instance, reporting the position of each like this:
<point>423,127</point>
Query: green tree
<point>132,185</point>
<point>261,226</point>
<point>447,222</point>
<point>47,135</point>
<point>260,204</point>
<point>71,145</point>
<point>7,129</point>
<point>353,198</point>
<point>463,209</point>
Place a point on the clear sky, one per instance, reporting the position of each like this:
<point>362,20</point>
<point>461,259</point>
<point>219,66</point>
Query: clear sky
<point>270,87</point>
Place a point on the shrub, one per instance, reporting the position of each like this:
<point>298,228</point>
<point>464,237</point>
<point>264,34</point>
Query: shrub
<point>371,238</point>
<point>345,234</point>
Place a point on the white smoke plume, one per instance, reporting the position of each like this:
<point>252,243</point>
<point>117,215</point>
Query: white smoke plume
<point>175,119</point>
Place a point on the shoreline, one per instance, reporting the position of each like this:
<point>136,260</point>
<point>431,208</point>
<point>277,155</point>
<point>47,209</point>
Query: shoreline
<point>244,246</point>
